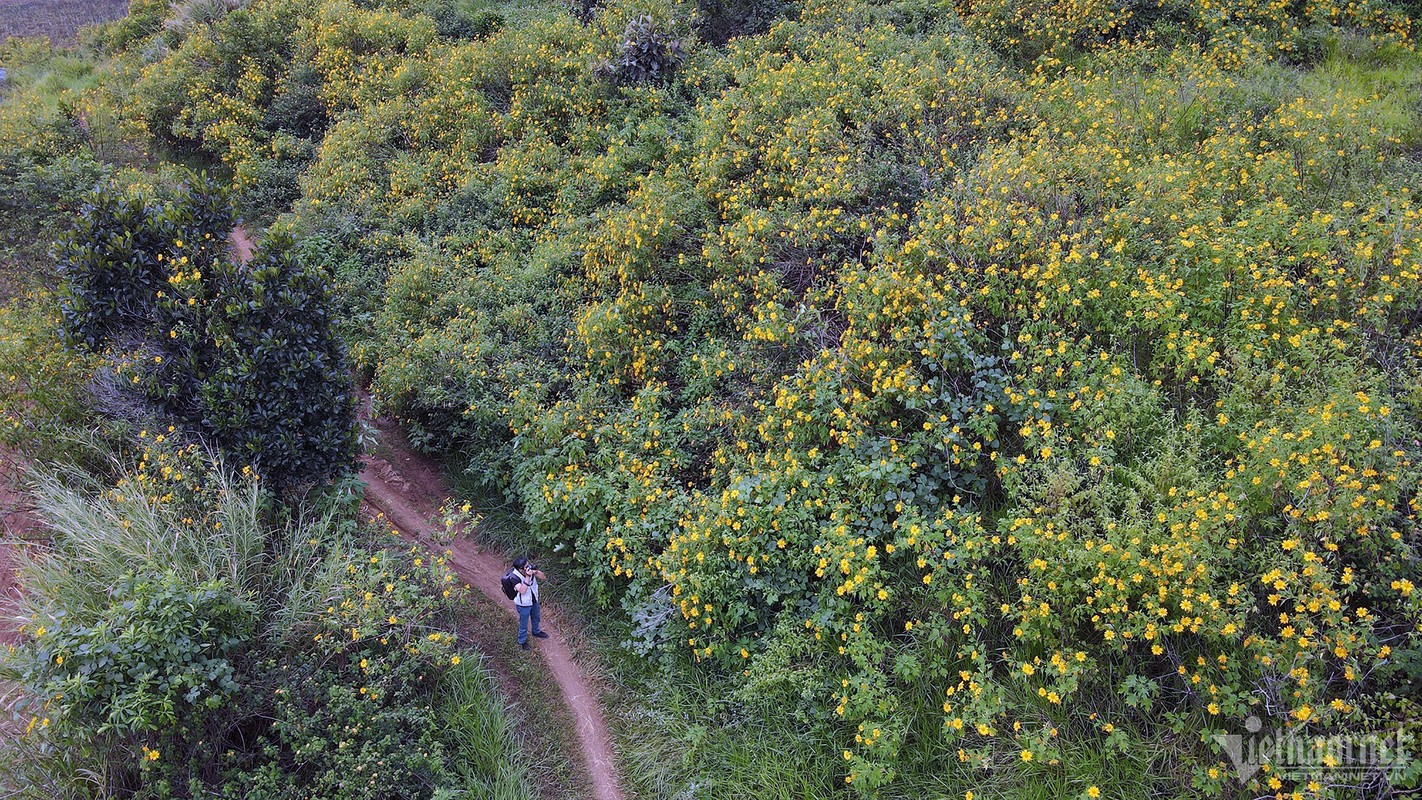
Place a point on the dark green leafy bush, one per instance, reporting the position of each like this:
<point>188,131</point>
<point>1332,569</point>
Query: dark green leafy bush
<point>160,655</point>
<point>719,21</point>
<point>584,10</point>
<point>117,263</point>
<point>297,108</point>
<point>244,356</point>
<point>463,19</point>
<point>647,54</point>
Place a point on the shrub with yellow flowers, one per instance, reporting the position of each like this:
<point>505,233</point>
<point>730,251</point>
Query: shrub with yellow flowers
<point>180,638</point>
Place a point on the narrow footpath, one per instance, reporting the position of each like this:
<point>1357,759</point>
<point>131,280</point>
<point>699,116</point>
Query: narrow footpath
<point>408,488</point>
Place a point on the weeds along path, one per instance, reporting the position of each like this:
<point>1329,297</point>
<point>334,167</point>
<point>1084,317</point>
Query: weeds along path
<point>18,524</point>
<point>409,490</point>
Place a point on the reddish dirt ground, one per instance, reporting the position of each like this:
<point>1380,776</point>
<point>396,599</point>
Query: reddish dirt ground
<point>410,491</point>
<point>17,524</point>
<point>240,245</point>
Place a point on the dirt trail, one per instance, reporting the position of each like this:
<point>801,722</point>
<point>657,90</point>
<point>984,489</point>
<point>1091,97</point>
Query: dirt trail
<point>240,245</point>
<point>408,488</point>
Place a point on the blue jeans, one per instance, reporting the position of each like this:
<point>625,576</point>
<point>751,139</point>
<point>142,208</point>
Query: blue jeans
<point>524,612</point>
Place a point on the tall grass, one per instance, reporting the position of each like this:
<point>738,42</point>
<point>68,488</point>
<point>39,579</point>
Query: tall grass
<point>291,567</point>
<point>101,535</point>
<point>679,737</point>
<point>487,755</point>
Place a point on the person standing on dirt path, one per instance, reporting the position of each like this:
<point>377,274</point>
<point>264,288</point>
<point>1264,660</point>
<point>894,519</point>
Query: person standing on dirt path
<point>526,601</point>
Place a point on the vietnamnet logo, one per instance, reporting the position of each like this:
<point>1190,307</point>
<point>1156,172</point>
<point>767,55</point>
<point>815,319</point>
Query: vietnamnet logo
<point>1354,759</point>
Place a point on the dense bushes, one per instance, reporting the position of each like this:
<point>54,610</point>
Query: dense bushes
<point>151,659</point>
<point>1040,402</point>
<point>243,356</point>
<point>177,644</point>
<point>1232,31</point>
<point>987,389</point>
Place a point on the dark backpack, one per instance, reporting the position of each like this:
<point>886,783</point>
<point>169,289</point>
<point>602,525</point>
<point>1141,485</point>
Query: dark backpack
<point>510,584</point>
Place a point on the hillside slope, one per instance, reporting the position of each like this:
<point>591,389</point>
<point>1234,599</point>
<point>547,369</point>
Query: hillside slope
<point>985,383</point>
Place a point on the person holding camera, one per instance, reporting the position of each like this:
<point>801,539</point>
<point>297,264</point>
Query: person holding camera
<point>526,600</point>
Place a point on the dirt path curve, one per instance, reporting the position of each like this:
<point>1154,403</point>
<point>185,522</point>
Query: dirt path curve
<point>410,492</point>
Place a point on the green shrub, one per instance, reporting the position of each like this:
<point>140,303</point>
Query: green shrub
<point>242,356</point>
<point>462,20</point>
<point>45,382</point>
<point>180,640</point>
<point>117,264</point>
<point>719,21</point>
<point>275,182</point>
<point>145,18</point>
<point>297,108</point>
<point>161,654</point>
<point>646,55</point>
<point>352,712</point>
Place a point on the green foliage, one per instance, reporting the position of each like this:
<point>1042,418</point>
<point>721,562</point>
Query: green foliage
<point>117,264</point>
<point>49,156</point>
<point>297,108</point>
<point>719,21</point>
<point>353,715</point>
<point>160,653</point>
<point>43,399</point>
<point>1001,384</point>
<point>647,54</point>
<point>688,737</point>
<point>235,88</point>
<point>178,643</point>
<point>145,18</point>
<point>275,392</point>
<point>1234,32</point>
<point>243,356</point>
<point>106,617</point>
<point>905,371</point>
<point>456,20</point>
